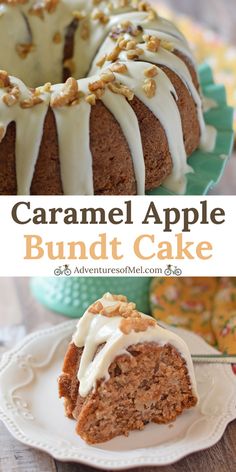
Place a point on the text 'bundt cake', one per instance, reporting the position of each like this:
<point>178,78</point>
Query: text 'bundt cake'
<point>122,371</point>
<point>125,128</point>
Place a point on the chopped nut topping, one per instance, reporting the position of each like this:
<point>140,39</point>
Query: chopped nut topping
<point>118,67</point>
<point>134,53</point>
<point>122,43</point>
<point>114,54</point>
<point>12,97</point>
<point>136,324</point>
<point>101,61</point>
<point>120,298</point>
<point>85,30</point>
<point>57,38</point>
<point>152,43</point>
<point>131,45</point>
<point>91,99</point>
<point>70,65</point>
<point>2,133</point>
<point>31,102</point>
<point>107,77</point>
<point>125,27</point>
<point>116,87</point>
<point>96,308</point>
<point>98,84</point>
<point>79,15</point>
<point>47,87</point>
<point>50,5</point>
<point>150,87</point>
<point>111,311</point>
<point>37,10</point>
<point>24,49</point>
<point>4,79</point>
<point>151,72</point>
<point>69,93</point>
<point>100,16</point>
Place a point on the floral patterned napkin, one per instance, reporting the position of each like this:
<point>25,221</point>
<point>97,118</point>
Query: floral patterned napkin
<point>204,305</point>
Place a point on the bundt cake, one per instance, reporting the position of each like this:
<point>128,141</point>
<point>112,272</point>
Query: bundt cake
<point>128,126</point>
<point>122,371</point>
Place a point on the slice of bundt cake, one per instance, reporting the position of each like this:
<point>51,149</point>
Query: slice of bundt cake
<point>122,371</point>
<point>125,128</point>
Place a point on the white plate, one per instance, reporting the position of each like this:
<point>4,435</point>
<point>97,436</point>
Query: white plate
<point>31,410</point>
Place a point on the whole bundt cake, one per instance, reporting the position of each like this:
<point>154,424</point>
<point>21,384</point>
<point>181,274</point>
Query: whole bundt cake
<point>127,115</point>
<point>122,371</point>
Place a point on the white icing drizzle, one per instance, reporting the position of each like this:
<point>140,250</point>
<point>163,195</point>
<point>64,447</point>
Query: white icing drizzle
<point>208,103</point>
<point>120,108</point>
<point>44,63</point>
<point>94,330</point>
<point>28,134</point>
<point>208,139</point>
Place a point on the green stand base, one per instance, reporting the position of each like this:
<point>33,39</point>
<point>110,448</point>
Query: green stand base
<point>71,296</point>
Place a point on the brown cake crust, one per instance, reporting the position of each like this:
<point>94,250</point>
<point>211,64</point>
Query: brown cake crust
<point>150,385</point>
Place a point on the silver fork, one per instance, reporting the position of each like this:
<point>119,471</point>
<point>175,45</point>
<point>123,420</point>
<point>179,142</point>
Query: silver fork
<point>214,359</point>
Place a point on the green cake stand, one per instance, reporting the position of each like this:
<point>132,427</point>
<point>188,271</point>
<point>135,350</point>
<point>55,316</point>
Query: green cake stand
<point>209,166</point>
<point>71,296</point>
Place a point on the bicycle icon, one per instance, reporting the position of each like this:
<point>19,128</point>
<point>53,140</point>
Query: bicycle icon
<point>62,270</point>
<point>172,270</point>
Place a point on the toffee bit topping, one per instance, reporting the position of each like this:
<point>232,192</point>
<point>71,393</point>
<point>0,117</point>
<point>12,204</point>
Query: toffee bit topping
<point>85,30</point>
<point>57,38</point>
<point>2,133</point>
<point>119,68</point>
<point>4,79</point>
<point>94,86</point>
<point>114,54</point>
<point>152,43</point>
<point>151,72</point>
<point>70,65</point>
<point>118,88</point>
<point>136,324</point>
<point>68,94</point>
<point>47,87</point>
<point>107,77</point>
<point>24,49</point>
<point>101,61</point>
<point>125,28</point>
<point>50,5</point>
<point>111,311</point>
<point>12,97</point>
<point>134,54</point>
<point>91,99</point>
<point>146,7</point>
<point>79,15</point>
<point>122,308</point>
<point>120,298</point>
<point>40,6</point>
<point>149,87</point>
<point>100,16</point>
<point>31,102</point>
<point>37,10</point>
<point>96,308</point>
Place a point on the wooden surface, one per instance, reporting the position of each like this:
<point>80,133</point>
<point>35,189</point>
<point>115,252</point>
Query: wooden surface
<point>21,314</point>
